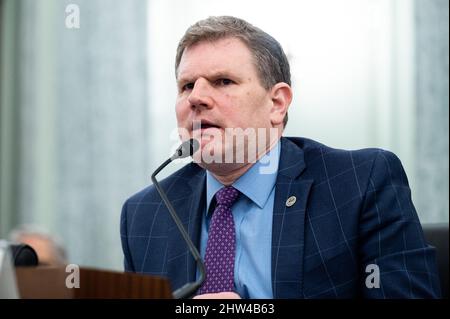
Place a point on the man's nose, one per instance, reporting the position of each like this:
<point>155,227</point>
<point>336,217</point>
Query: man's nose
<point>200,96</point>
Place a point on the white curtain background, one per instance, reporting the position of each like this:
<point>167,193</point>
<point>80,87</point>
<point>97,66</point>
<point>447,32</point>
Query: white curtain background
<point>431,96</point>
<point>88,113</point>
<point>84,135</point>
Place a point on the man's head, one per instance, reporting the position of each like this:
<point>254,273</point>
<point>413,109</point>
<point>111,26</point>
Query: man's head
<point>230,74</point>
<point>268,55</point>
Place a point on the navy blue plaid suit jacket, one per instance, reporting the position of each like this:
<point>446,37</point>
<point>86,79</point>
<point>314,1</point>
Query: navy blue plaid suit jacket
<point>353,209</point>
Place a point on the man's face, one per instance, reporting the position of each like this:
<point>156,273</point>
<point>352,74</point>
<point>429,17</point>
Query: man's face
<point>218,85</point>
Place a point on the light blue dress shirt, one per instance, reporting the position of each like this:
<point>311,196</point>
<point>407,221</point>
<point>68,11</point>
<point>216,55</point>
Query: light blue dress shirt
<point>253,214</point>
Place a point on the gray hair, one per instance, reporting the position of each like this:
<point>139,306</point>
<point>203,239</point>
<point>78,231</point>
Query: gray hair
<point>269,58</point>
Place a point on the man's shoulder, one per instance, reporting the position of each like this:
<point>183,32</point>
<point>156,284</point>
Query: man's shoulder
<point>320,157</point>
<point>150,194</point>
<point>313,150</point>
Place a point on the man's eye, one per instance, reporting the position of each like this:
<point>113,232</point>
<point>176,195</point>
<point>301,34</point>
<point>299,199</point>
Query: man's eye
<point>188,86</point>
<point>224,82</point>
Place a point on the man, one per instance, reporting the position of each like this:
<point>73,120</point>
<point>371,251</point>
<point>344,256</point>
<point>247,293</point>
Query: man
<point>315,222</point>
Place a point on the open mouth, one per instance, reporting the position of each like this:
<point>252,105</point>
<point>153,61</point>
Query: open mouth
<point>205,126</point>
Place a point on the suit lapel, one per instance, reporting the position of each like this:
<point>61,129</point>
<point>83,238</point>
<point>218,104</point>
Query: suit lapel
<point>289,223</point>
<point>287,228</point>
<point>198,202</point>
<point>189,210</point>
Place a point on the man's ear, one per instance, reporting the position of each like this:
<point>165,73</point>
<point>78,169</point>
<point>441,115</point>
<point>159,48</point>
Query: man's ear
<point>281,94</point>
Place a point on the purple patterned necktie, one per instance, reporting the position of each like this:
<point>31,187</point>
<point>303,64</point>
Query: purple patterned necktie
<point>220,248</point>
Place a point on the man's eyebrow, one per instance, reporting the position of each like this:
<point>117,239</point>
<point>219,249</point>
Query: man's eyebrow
<point>184,80</point>
<point>211,76</point>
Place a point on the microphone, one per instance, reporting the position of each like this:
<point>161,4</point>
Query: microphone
<point>187,148</point>
<point>23,255</point>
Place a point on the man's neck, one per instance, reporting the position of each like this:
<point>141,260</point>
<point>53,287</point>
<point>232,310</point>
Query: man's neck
<point>229,176</point>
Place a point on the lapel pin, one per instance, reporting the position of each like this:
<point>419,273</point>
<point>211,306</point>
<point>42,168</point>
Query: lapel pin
<point>291,201</point>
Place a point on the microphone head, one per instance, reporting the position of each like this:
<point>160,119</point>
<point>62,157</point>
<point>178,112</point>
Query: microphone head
<point>24,255</point>
<point>187,148</point>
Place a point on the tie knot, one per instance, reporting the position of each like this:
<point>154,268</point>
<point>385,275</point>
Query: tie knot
<point>227,196</point>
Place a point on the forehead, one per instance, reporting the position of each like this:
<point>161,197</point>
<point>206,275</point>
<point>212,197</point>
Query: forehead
<point>229,55</point>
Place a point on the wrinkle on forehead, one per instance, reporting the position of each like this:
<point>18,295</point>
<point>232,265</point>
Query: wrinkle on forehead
<point>228,55</point>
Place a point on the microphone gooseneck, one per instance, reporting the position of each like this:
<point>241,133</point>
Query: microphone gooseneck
<point>187,148</point>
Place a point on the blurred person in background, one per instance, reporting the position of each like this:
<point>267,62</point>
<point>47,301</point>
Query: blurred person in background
<point>48,248</point>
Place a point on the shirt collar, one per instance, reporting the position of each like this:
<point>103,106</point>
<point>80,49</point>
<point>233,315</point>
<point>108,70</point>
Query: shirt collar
<point>257,183</point>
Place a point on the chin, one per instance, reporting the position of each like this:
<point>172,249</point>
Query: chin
<point>219,168</point>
